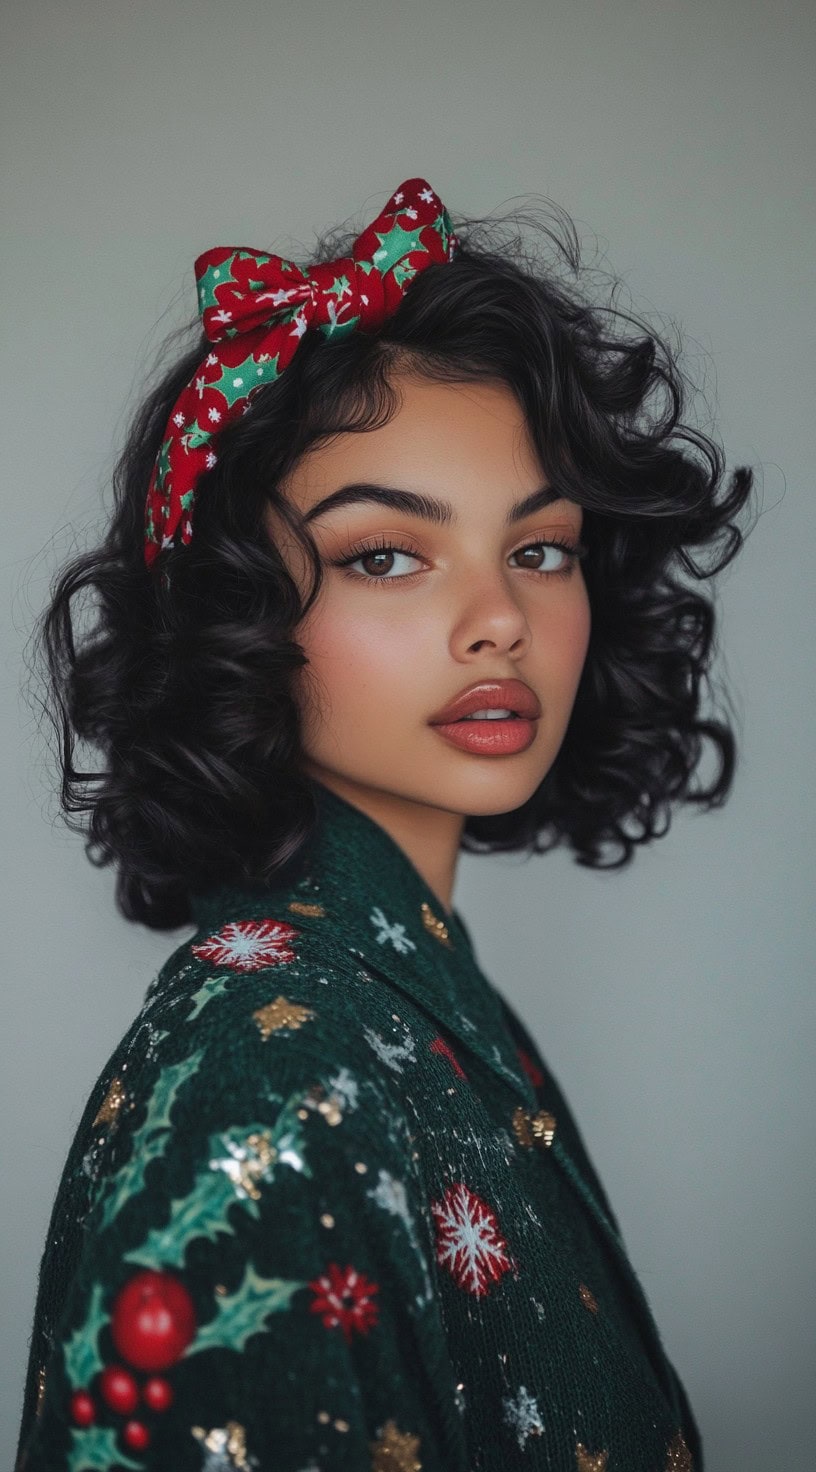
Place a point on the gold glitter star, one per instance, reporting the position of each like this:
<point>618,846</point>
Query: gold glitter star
<point>588,1298</point>
<point>436,927</point>
<point>108,1110</point>
<point>301,908</point>
<point>590,1461</point>
<point>281,1013</point>
<point>394,1451</point>
<point>678,1456</point>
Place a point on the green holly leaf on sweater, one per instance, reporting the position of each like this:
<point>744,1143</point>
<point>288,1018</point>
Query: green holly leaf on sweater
<point>82,1358</point>
<point>96,1449</point>
<point>212,987</point>
<point>244,1312</point>
<point>238,1160</point>
<point>150,1140</point>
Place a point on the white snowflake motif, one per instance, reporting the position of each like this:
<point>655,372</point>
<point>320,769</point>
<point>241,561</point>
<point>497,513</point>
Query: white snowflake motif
<point>214,415</point>
<point>390,1194</point>
<point>178,419</point>
<point>522,1415</point>
<point>411,212</point>
<point>222,316</point>
<point>200,385</point>
<point>211,459</point>
<point>426,195</point>
<point>469,1241</point>
<point>248,945</point>
<point>298,325</point>
<point>344,1085</point>
<point>211,359</point>
<point>399,197</point>
<point>391,931</point>
<point>392,1054</point>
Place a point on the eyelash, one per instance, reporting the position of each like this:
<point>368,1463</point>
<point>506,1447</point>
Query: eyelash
<point>576,551</point>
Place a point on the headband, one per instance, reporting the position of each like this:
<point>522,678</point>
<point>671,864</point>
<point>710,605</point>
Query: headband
<point>255,309</point>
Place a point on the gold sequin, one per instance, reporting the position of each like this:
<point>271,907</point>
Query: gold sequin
<point>301,908</point>
<point>394,1451</point>
<point>226,1442</point>
<point>40,1389</point>
<point>543,1126</point>
<point>329,1108</point>
<point>533,1129</point>
<point>437,928</point>
<point>341,1425</point>
<point>323,1417</point>
<point>327,1220</point>
<point>108,1110</point>
<point>588,1298</point>
<point>678,1456</point>
<point>281,1013</point>
<point>521,1126</point>
<point>360,1167</point>
<point>590,1461</point>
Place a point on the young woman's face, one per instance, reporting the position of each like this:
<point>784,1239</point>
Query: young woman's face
<point>457,603</point>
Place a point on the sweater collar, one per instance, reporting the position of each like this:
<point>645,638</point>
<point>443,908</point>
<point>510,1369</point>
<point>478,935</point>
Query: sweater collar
<point>355,884</point>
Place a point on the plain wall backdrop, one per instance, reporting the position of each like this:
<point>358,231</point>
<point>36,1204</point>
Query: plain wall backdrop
<point>674,1000</point>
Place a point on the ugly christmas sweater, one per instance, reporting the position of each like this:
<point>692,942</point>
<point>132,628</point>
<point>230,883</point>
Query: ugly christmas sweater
<point>327,1208</point>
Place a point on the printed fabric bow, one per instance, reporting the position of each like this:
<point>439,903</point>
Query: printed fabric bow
<point>255,309</point>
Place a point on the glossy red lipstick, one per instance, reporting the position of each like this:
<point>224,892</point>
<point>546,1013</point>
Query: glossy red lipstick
<point>490,735</point>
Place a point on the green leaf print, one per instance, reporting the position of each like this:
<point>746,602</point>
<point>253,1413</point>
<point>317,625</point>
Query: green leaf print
<point>237,1160</point>
<point>82,1358</point>
<point>97,1448</point>
<point>150,1140</point>
<point>243,1313</point>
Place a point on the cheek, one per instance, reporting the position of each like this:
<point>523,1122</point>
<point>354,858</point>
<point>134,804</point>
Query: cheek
<point>358,649</point>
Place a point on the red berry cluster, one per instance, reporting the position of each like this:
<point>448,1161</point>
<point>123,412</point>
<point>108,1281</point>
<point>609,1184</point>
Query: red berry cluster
<point>152,1322</point>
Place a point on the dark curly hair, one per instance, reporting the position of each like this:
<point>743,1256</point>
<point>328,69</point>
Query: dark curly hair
<point>184,680</point>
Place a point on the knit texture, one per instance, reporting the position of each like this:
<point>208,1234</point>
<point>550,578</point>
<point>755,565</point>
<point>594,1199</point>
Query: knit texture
<point>327,1208</point>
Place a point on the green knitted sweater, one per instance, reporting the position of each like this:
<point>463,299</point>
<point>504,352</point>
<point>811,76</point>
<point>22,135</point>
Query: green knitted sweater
<point>327,1208</point>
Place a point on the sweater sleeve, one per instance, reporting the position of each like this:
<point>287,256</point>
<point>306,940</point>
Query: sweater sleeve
<point>255,1286</point>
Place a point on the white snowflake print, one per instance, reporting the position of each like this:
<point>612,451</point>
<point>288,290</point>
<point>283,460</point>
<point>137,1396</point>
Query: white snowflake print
<point>393,1055</point>
<point>211,459</point>
<point>178,419</point>
<point>346,1087</point>
<point>522,1415</point>
<point>469,1240</point>
<point>426,195</point>
<point>248,945</point>
<point>391,1195</point>
<point>222,317</point>
<point>391,931</point>
<point>200,385</point>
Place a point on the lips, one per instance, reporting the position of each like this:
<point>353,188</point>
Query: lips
<point>511,695</point>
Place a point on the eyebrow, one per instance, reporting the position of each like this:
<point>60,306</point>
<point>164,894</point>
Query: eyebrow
<point>417,503</point>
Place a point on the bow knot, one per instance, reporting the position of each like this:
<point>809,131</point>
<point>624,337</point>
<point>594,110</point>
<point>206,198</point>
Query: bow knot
<point>255,308</point>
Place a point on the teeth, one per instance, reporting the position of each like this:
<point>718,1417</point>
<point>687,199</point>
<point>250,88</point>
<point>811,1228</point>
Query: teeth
<point>488,715</point>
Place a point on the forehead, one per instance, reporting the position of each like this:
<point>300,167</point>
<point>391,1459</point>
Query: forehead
<point>454,434</point>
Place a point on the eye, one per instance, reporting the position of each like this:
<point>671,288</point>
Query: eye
<point>383,550</point>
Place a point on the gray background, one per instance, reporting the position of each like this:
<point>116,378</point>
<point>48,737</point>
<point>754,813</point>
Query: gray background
<point>674,1001</point>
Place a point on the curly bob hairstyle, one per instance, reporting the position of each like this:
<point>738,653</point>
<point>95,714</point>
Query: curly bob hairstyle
<point>184,680</point>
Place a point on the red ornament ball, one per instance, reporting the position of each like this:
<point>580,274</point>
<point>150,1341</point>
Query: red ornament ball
<point>83,1410</point>
<point>153,1320</point>
<point>157,1393</point>
<point>136,1436</point>
<point>119,1389</point>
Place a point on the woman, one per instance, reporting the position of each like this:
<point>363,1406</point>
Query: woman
<point>392,573</point>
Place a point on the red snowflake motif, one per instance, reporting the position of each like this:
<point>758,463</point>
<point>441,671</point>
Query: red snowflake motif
<point>345,1297</point>
<point>531,1069</point>
<point>248,945</point>
<point>469,1242</point>
<point>440,1046</point>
